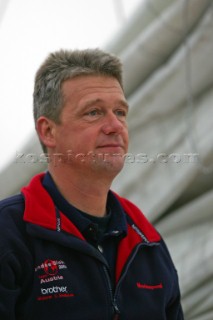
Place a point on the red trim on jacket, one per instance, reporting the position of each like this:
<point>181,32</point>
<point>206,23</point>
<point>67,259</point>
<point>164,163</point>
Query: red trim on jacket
<point>125,248</point>
<point>128,243</point>
<point>139,219</point>
<point>40,209</point>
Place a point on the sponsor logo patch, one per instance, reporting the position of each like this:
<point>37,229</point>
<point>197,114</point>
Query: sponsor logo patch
<point>51,272</point>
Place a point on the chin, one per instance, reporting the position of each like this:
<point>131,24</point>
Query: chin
<point>109,165</point>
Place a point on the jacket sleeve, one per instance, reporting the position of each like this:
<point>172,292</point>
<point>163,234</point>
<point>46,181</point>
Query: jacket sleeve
<point>15,284</point>
<point>10,288</point>
<point>174,309</point>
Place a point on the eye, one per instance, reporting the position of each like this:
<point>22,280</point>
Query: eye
<point>93,113</point>
<point>121,113</point>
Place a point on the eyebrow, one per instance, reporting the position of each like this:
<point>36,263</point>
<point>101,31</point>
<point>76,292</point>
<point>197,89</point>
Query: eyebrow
<point>96,101</point>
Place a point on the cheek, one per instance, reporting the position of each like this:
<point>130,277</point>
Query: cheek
<point>126,136</point>
<point>64,139</point>
<point>82,141</point>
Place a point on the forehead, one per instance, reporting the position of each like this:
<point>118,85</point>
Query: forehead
<point>83,86</point>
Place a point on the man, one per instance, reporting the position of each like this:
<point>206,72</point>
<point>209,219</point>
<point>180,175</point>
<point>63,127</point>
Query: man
<point>70,248</point>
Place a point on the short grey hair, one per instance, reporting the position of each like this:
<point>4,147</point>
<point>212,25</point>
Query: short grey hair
<point>63,65</point>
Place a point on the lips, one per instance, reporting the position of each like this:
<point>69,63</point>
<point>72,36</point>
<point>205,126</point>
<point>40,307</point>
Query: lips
<point>111,146</point>
<point>111,149</point>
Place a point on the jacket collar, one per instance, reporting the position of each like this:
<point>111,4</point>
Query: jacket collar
<point>40,210</point>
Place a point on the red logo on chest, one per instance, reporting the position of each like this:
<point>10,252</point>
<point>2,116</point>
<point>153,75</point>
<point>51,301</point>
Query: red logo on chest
<point>149,287</point>
<point>50,267</point>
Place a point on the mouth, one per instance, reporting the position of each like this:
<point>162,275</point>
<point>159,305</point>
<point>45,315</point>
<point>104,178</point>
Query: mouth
<point>111,149</point>
<point>111,145</point>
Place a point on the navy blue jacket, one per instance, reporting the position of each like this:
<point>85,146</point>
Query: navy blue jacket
<point>49,271</point>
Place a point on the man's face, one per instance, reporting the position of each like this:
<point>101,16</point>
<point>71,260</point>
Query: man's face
<point>93,130</point>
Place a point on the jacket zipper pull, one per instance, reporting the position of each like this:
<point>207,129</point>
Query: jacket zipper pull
<point>117,311</point>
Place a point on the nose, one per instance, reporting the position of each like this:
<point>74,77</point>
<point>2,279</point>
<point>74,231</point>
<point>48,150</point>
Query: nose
<point>112,124</point>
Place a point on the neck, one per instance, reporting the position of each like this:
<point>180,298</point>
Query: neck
<point>88,194</point>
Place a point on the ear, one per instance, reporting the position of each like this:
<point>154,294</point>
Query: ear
<point>46,131</point>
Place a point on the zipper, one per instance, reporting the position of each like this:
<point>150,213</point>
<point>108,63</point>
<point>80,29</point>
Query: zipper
<point>116,311</point>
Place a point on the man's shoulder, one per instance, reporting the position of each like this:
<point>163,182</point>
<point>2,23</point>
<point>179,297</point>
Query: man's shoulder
<point>14,240</point>
<point>12,204</point>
